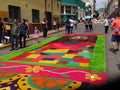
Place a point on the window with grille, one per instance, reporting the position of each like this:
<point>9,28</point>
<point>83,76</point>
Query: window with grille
<point>35,16</point>
<point>68,9</point>
<point>14,13</point>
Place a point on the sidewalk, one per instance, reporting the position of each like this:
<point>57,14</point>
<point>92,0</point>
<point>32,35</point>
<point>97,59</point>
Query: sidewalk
<point>31,36</point>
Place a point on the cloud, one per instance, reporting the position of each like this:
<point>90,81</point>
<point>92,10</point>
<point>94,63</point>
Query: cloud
<point>101,3</point>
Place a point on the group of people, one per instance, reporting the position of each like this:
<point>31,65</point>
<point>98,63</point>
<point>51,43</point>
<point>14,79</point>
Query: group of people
<point>114,23</point>
<point>17,32</point>
<point>70,24</point>
<point>88,25</point>
<point>14,32</point>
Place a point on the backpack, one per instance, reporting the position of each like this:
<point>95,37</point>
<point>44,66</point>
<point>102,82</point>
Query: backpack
<point>7,27</point>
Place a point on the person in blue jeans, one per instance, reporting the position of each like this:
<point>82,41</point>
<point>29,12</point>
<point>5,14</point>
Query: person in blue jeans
<point>67,24</point>
<point>15,31</point>
<point>45,27</point>
<point>23,33</point>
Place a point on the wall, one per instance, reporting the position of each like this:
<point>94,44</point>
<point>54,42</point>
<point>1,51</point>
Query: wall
<point>26,8</point>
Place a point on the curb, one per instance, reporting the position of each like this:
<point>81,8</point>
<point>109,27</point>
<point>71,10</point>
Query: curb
<point>29,39</point>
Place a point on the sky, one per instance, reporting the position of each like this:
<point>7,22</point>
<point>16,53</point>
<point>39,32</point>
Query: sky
<point>101,3</point>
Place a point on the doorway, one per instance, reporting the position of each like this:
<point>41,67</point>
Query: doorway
<point>49,18</point>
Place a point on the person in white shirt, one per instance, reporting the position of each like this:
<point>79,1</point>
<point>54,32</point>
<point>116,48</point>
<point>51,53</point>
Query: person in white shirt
<point>106,23</point>
<point>72,23</point>
<point>55,24</point>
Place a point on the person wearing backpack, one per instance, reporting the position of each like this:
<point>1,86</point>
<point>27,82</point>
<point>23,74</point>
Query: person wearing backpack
<point>7,30</point>
<point>116,33</point>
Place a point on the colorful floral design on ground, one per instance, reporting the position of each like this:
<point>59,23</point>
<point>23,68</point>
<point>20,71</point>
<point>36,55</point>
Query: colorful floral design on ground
<point>67,51</point>
<point>65,62</point>
<point>12,81</point>
<point>56,72</point>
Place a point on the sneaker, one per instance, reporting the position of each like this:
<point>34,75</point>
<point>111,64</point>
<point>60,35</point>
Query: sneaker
<point>115,51</point>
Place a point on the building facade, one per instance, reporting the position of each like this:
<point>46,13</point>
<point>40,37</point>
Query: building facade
<point>81,9</point>
<point>92,6</point>
<point>112,8</point>
<point>34,11</point>
<point>72,9</point>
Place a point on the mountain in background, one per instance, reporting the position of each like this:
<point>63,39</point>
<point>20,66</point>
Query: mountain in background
<point>101,10</point>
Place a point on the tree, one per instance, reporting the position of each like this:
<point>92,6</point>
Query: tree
<point>96,14</point>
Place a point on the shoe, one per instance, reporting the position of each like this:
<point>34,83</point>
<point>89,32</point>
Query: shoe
<point>20,47</point>
<point>11,49</point>
<point>114,51</point>
<point>117,50</point>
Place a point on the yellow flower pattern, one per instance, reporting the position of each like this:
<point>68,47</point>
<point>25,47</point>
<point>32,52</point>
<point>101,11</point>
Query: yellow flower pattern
<point>34,69</point>
<point>92,77</point>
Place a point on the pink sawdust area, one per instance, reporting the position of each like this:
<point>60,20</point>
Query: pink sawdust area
<point>73,60</point>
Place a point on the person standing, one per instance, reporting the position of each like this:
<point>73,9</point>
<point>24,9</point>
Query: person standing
<point>58,25</point>
<point>106,23</point>
<point>36,34</point>
<point>23,33</point>
<point>76,22</point>
<point>72,23</point>
<point>116,33</point>
<point>55,24</point>
<point>67,24</point>
<point>28,31</point>
<point>15,31</point>
<point>7,30</point>
<point>90,25</point>
<point>44,26</point>
<point>86,25</point>
<point>1,30</point>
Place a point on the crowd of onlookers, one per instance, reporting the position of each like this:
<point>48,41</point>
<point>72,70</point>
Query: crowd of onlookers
<point>14,32</point>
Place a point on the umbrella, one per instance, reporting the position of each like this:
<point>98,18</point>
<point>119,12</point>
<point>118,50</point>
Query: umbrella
<point>88,17</point>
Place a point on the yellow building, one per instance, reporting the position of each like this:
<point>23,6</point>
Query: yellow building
<point>53,10</point>
<point>33,10</point>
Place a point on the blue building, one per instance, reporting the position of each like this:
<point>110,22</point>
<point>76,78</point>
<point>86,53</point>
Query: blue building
<point>71,9</point>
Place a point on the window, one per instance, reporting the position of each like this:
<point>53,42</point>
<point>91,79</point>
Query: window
<point>74,10</point>
<point>14,13</point>
<point>62,9</point>
<point>35,16</point>
<point>68,9</point>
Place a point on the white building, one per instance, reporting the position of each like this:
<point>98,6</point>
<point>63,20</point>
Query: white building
<point>92,4</point>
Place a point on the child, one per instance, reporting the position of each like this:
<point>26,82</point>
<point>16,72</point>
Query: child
<point>36,34</point>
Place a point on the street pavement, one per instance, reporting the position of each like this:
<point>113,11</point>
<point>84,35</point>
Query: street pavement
<point>112,60</point>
